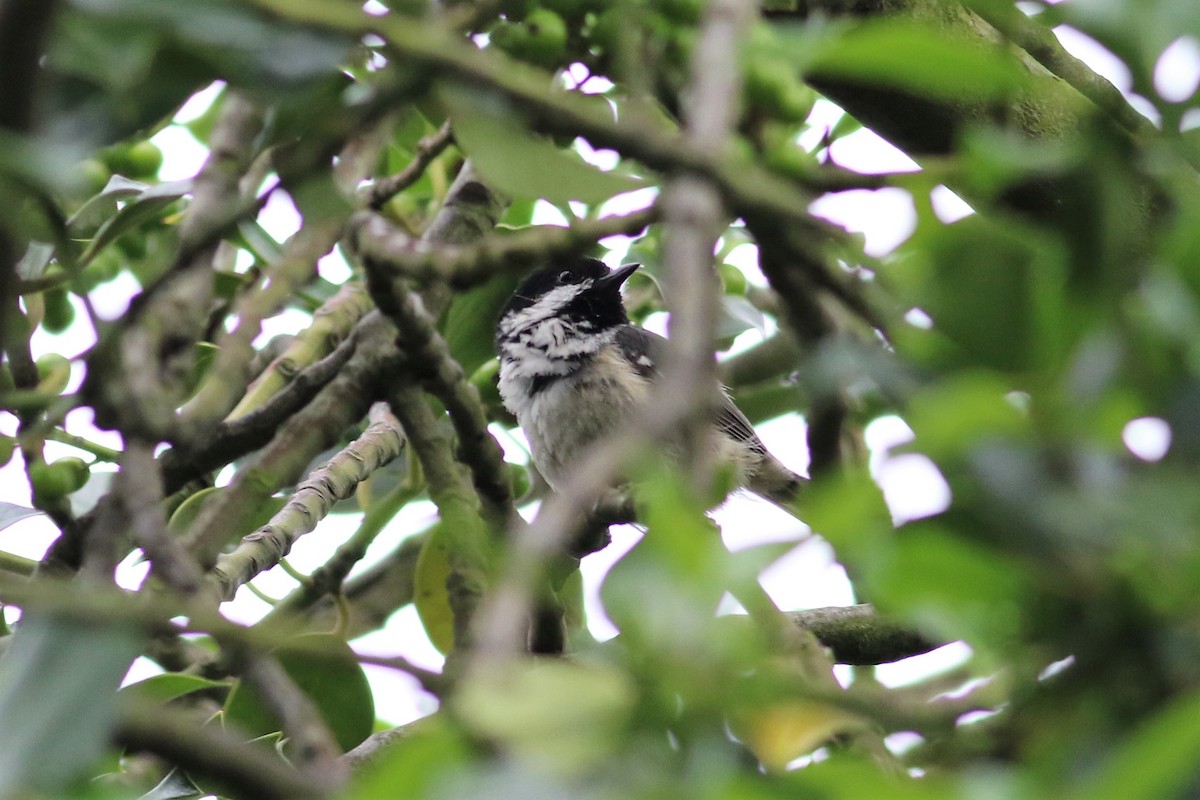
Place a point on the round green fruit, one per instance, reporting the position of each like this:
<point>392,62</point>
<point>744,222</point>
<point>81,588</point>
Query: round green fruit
<point>511,37</point>
<point>733,279</point>
<point>92,175</point>
<point>774,88</point>
<point>8,446</point>
<point>137,160</point>
<point>52,481</point>
<point>77,468</point>
<point>54,372</point>
<point>519,481</point>
<point>59,312</point>
<point>547,42</point>
<point>145,159</point>
<point>606,31</point>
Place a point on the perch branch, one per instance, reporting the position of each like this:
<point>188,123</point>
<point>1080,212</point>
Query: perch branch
<point>429,359</point>
<point>240,435</point>
<point>464,266</point>
<point>309,504</point>
<point>246,772</point>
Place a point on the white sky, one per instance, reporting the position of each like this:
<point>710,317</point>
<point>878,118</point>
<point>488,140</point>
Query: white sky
<point>807,577</point>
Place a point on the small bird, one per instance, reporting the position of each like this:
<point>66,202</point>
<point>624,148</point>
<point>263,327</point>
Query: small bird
<point>573,368</point>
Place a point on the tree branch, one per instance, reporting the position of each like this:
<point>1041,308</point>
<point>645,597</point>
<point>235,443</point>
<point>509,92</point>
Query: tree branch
<point>309,504</point>
<point>240,435</point>
<point>744,184</point>
<point>307,433</point>
<point>450,489</point>
<point>378,193</point>
<point>464,266</point>
<point>857,635</point>
<point>252,773</point>
<point>430,360</point>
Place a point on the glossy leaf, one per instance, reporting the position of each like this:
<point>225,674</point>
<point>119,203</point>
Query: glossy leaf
<point>561,715</point>
<point>167,687</point>
<point>190,509</point>
<point>470,323</point>
<point>917,57</point>
<point>502,149</point>
<point>431,595</point>
<point>146,206</point>
<point>326,670</point>
<point>58,699</point>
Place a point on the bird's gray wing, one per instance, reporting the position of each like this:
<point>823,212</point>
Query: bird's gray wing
<point>646,350</point>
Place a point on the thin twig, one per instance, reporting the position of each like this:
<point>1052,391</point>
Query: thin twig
<point>250,773</point>
<point>464,266</point>
<point>429,148</point>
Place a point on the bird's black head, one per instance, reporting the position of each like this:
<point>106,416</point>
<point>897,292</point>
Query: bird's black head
<point>583,294</point>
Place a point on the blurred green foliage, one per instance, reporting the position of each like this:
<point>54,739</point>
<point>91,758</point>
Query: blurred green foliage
<point>1020,343</point>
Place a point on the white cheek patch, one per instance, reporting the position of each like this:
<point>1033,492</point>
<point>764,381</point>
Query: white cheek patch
<point>559,337</point>
<point>546,306</point>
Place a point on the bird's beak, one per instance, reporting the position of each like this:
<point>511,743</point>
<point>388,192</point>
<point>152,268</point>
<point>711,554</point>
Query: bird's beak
<point>618,276</point>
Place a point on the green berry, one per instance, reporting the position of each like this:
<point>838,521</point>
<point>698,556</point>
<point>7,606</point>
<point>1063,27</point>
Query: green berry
<point>59,312</point>
<point>511,37</point>
<point>547,42</point>
<point>518,477</point>
<point>136,160</point>
<point>773,88</point>
<point>77,468</point>
<point>54,372</point>
<point>92,175</point>
<point>52,481</point>
<point>733,279</point>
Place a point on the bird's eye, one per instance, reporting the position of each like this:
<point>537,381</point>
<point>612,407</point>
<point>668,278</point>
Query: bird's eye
<point>564,276</point>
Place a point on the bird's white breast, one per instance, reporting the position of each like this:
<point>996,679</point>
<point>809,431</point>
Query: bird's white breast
<point>559,422</point>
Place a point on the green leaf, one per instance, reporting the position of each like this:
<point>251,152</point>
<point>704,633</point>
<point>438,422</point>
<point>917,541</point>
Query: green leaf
<point>1158,760</point>
<point>190,509</point>
<point>325,668</point>
<point>166,687</point>
<point>563,716</point>
<point>470,322</point>
<point>919,58</point>
<point>58,690</point>
<point>951,416</point>
<point>739,315</point>
<point>431,596</point>
<point>100,207</point>
<point>997,290</point>
<point>35,260</point>
<point>948,583</point>
<point>848,509</point>
<point>148,205</point>
<point>254,238</point>
<point>519,163</point>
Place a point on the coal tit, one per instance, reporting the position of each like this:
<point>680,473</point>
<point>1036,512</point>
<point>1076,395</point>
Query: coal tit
<point>573,368</point>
